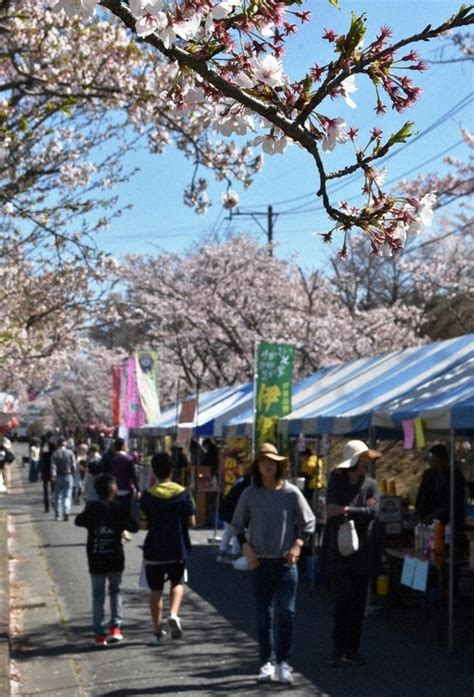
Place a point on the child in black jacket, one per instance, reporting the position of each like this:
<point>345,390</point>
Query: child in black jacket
<point>105,522</point>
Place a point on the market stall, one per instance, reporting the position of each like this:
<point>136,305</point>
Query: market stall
<point>445,406</point>
<point>347,408</point>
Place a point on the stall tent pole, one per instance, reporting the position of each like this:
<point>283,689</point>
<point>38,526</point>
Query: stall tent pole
<point>315,505</point>
<point>451,546</point>
<point>215,537</point>
<point>255,379</point>
<point>197,464</point>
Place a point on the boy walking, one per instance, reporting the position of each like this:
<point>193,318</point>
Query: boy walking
<point>105,522</point>
<point>167,512</point>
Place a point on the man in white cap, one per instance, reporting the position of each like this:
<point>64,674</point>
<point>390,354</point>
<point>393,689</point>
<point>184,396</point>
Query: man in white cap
<point>353,495</point>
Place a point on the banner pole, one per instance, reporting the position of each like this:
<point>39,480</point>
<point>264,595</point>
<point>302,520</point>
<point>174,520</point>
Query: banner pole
<point>198,451</point>
<point>255,380</point>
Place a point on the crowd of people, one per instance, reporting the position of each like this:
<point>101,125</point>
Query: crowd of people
<point>267,523</point>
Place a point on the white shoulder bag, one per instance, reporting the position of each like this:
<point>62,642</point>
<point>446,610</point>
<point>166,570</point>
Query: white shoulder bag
<point>347,538</point>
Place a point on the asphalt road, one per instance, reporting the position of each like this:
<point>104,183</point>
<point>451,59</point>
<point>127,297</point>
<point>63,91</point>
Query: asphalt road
<point>218,654</point>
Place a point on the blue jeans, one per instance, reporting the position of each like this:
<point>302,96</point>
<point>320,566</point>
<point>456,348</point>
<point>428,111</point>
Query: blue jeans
<point>63,494</point>
<point>274,587</point>
<point>98,600</point>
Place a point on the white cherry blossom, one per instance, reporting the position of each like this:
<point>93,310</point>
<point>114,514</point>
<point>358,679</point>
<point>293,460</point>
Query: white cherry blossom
<point>349,87</point>
<point>268,70</point>
<point>149,23</point>
<point>334,133</point>
<point>230,199</point>
<point>83,8</point>
<point>272,144</point>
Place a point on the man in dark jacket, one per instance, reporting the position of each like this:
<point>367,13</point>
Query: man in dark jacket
<point>45,473</point>
<point>122,467</point>
<point>105,523</point>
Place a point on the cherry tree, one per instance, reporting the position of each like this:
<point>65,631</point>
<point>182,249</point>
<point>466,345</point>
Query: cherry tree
<point>81,393</point>
<point>434,273</point>
<point>229,60</point>
<point>204,312</point>
<point>44,314</point>
<point>73,101</point>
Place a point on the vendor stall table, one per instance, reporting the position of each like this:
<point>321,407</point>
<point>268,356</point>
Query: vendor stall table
<point>435,594</point>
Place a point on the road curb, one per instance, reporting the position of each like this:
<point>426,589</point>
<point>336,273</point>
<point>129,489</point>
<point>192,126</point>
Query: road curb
<point>4,609</point>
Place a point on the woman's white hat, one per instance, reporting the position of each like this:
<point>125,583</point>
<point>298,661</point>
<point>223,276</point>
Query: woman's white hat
<point>352,451</point>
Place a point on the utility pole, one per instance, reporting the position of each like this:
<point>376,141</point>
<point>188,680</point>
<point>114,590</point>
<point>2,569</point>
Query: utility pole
<point>255,215</point>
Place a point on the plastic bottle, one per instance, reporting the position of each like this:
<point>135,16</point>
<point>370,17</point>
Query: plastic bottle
<point>423,539</point>
<point>431,534</point>
<point>448,533</point>
<point>417,532</point>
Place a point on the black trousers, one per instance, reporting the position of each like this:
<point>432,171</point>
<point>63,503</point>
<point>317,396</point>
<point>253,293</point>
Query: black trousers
<point>349,592</point>
<point>48,487</point>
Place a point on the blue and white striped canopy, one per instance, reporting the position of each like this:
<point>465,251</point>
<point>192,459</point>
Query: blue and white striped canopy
<point>212,417</point>
<point>348,407</point>
<point>213,408</point>
<point>444,403</point>
<point>302,393</point>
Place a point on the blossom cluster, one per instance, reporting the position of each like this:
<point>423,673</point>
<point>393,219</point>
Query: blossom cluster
<point>229,63</point>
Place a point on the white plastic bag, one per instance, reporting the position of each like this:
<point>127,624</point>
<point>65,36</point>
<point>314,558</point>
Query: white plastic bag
<point>347,538</point>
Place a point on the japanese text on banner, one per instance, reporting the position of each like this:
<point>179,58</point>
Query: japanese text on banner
<point>274,367</point>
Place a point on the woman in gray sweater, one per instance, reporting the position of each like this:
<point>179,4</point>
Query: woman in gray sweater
<point>271,521</point>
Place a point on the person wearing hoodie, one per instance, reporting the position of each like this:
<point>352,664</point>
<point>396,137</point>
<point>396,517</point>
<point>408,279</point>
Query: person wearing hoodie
<point>167,512</point>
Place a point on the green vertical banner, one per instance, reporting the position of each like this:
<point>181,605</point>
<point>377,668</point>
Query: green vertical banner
<point>272,390</point>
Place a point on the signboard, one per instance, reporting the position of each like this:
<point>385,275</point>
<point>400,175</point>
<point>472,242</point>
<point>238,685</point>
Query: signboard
<point>273,379</point>
<point>186,416</point>
<point>235,458</point>
<point>391,514</point>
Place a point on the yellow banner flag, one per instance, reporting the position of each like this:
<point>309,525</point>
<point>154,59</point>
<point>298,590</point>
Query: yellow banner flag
<point>419,432</point>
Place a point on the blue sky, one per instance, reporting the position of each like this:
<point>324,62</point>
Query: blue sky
<point>160,220</point>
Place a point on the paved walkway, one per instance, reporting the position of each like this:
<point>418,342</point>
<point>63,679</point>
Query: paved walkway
<point>53,655</point>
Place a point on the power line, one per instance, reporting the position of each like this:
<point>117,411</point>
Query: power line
<point>465,101</point>
<point>298,210</point>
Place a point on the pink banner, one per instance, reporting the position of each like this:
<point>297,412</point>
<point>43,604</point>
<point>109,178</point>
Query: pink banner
<point>134,416</point>
<point>408,434</point>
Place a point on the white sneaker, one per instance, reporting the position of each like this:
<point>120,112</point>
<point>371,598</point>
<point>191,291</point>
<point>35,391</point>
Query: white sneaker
<point>174,624</point>
<point>283,673</point>
<point>241,564</point>
<point>267,672</point>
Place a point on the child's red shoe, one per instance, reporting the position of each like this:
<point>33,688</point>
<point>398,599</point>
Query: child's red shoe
<point>115,635</point>
<point>100,640</point>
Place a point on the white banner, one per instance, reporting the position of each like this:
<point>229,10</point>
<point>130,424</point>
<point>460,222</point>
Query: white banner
<point>147,381</point>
